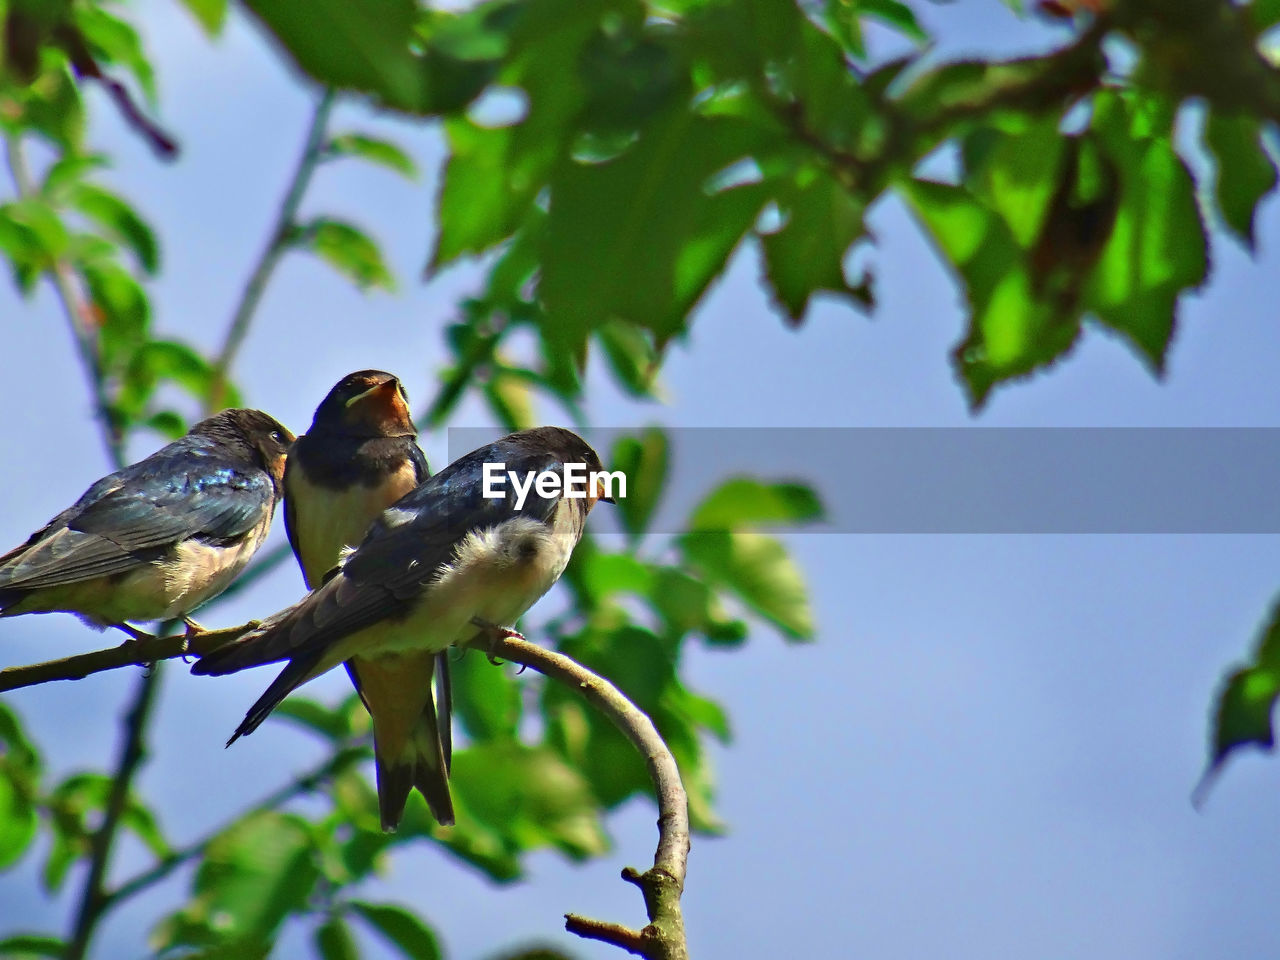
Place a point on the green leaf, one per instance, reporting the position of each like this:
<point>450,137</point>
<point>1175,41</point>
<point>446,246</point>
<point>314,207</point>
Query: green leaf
<point>604,574</point>
<point>357,44</point>
<point>642,665</point>
<point>759,571</point>
<point>17,819</point>
<point>334,941</point>
<point>593,745</point>
<point>332,724</point>
<point>120,221</point>
<point>121,309</point>
<point>807,253</point>
<point>168,423</point>
<point>400,928</point>
<point>63,853</point>
<point>641,237</point>
<point>112,40</point>
<point>1016,174</point>
<point>1012,331</point>
<point>66,173</point>
<point>382,152</point>
<point>528,796</point>
<point>142,821</point>
<point>490,180</point>
<point>19,757</point>
<point>510,398</point>
<point>25,945</point>
<point>706,714</point>
<point>1158,248</point>
<point>1245,171</point>
<point>486,698</point>
<point>644,462</point>
<point>631,356</point>
<point>841,18</point>
<point>894,14</point>
<point>211,14</point>
<point>70,805</point>
<point>155,362</point>
<point>33,230</point>
<point>348,250</point>
<point>1242,714</point>
<point>355,802</point>
<point>51,105</point>
<point>1265,13</point>
<point>494,175</point>
<point>745,502</point>
<point>252,876</point>
<point>689,605</point>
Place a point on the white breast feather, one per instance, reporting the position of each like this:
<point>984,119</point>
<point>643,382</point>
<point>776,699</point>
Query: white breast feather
<point>496,574</point>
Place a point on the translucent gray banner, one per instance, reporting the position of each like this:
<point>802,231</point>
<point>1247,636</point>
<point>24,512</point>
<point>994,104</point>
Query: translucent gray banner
<point>975,480</point>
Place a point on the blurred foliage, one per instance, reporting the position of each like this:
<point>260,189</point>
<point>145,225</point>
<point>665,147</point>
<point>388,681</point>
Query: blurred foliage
<point>607,158</point>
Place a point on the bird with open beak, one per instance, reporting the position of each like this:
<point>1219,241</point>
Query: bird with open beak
<point>452,561</point>
<point>155,540</point>
<point>359,457</point>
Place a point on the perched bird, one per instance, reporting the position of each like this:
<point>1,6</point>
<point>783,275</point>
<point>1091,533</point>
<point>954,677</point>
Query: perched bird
<point>358,458</point>
<point>457,557</point>
<point>158,538</point>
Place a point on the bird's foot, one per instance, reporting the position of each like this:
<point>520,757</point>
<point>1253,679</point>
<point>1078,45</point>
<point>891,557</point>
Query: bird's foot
<point>193,630</point>
<point>495,634</point>
<point>134,632</point>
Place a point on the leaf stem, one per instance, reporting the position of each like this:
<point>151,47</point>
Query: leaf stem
<point>277,243</point>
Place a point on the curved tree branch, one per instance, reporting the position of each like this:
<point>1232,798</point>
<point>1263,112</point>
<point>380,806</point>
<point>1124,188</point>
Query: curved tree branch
<point>663,938</point>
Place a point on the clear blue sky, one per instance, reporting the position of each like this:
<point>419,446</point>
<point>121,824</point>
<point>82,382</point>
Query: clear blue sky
<point>987,752</point>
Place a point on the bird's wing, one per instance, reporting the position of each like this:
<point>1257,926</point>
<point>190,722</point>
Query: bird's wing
<point>419,460</point>
<point>291,515</point>
<point>404,551</point>
<point>160,502</point>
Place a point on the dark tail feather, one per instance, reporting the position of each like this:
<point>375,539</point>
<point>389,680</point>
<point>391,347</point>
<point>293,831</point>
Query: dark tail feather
<point>9,598</point>
<point>431,771</point>
<point>291,677</point>
<point>423,765</point>
<point>444,708</point>
<point>395,780</point>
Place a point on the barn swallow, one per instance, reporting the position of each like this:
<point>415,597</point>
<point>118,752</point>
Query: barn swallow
<point>158,538</point>
<point>453,559</point>
<point>359,457</point>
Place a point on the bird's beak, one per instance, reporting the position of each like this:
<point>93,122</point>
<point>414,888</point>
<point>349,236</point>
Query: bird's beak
<point>383,398</point>
<point>601,491</point>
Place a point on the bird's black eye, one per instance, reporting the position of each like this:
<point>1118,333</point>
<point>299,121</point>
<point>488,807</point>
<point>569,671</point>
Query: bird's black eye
<point>277,436</point>
<point>404,394</point>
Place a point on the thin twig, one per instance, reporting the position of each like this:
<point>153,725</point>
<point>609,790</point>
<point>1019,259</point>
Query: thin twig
<point>664,937</point>
<point>632,941</point>
<point>93,898</point>
<point>84,64</point>
<point>141,653</point>
<point>79,316</point>
<point>277,244</point>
